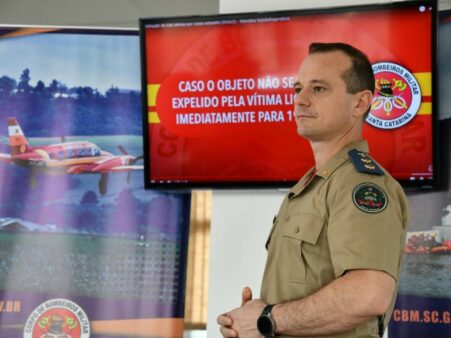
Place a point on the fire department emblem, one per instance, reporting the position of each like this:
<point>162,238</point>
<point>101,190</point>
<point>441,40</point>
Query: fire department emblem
<point>369,198</point>
<point>397,96</point>
<point>57,318</point>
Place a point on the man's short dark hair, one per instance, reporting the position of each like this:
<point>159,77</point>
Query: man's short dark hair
<point>360,76</point>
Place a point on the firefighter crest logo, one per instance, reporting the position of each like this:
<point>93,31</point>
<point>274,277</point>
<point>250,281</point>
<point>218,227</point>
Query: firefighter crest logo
<point>369,198</point>
<point>57,318</point>
<point>397,96</point>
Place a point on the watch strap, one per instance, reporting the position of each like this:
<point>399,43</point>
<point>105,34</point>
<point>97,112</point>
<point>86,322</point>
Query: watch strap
<point>267,309</point>
<point>266,316</point>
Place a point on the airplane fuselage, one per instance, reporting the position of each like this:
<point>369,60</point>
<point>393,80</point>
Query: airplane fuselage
<point>80,157</point>
<point>61,158</point>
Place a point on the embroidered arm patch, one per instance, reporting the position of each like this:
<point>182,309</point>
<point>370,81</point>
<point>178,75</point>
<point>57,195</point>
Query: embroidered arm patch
<point>369,198</point>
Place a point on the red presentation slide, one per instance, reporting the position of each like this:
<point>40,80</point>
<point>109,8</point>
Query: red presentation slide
<point>220,94</point>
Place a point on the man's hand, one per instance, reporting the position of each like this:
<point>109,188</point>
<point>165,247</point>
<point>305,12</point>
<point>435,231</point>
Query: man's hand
<point>244,318</point>
<point>246,295</point>
<point>225,321</point>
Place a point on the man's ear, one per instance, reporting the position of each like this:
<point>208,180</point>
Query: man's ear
<point>363,101</point>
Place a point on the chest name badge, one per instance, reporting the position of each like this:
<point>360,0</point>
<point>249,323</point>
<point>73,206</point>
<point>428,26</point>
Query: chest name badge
<point>369,198</point>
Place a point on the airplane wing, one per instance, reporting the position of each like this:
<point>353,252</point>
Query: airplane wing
<point>125,168</point>
<point>5,158</point>
<point>81,168</point>
<point>105,166</point>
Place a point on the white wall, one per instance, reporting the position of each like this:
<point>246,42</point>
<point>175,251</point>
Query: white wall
<point>98,13</point>
<point>234,6</point>
<point>241,222</point>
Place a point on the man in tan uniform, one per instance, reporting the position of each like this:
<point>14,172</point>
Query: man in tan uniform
<point>335,248</point>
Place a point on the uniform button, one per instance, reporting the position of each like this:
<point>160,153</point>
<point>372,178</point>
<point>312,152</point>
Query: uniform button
<point>296,230</point>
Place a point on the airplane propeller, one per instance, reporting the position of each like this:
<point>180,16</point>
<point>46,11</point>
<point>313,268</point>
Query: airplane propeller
<point>136,159</point>
<point>132,162</point>
<point>122,150</point>
<point>125,152</point>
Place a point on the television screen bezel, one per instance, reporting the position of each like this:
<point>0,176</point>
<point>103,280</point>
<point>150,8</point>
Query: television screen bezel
<point>410,185</point>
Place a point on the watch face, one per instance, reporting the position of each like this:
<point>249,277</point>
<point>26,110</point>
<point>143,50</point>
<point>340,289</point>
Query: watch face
<point>265,326</point>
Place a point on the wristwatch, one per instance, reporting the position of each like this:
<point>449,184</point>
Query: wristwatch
<point>265,324</point>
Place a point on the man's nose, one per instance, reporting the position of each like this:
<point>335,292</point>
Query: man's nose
<point>301,98</point>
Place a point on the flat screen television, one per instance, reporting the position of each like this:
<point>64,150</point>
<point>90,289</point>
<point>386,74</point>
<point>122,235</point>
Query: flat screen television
<point>218,93</point>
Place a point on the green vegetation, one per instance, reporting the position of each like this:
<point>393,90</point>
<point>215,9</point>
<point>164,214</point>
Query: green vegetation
<point>94,266</point>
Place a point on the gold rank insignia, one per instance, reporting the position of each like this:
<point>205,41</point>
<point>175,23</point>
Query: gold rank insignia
<point>364,163</point>
<point>326,172</point>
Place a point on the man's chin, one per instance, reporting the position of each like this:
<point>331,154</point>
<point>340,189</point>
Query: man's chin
<point>303,132</point>
<point>308,134</point>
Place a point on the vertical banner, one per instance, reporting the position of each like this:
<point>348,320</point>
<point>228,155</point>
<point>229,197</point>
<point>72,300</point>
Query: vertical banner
<point>85,251</point>
<point>423,306</point>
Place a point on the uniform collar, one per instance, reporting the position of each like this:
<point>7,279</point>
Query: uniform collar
<point>341,157</point>
<point>329,167</point>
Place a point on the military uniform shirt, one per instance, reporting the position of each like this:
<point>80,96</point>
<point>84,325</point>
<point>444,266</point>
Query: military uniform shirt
<point>350,214</point>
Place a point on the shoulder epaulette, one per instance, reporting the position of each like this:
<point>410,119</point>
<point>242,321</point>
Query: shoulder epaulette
<point>364,163</point>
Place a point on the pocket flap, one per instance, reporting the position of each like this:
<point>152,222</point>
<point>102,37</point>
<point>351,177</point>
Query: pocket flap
<point>304,227</point>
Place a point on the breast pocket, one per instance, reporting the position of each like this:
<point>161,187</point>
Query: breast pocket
<point>274,224</point>
<point>301,247</point>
